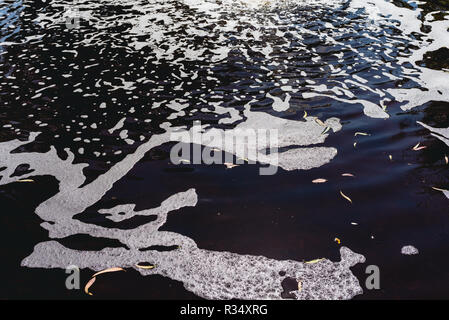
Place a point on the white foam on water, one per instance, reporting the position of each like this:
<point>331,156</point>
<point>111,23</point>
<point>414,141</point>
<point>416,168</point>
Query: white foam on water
<point>209,274</point>
<point>440,133</point>
<point>409,250</point>
<point>159,22</point>
<point>410,21</point>
<point>289,133</point>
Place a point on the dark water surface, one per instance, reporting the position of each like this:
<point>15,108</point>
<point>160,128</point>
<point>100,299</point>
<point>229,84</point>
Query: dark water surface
<point>133,55</point>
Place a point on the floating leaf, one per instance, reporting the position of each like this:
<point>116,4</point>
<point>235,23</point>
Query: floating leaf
<point>420,148</point>
<point>144,267</point>
<point>325,130</point>
<point>321,123</point>
<point>438,189</point>
<point>25,180</point>
<point>361,133</point>
<point>305,114</point>
<point>417,147</point>
<point>314,261</point>
<point>337,240</point>
<point>230,165</point>
<point>345,196</point>
<point>347,175</point>
<point>319,180</point>
<point>88,285</point>
<point>115,269</point>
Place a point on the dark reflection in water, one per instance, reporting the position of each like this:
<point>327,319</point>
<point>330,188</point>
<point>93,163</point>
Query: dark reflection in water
<point>75,85</point>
